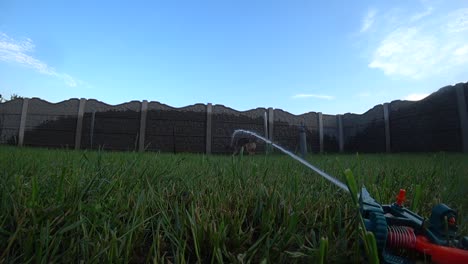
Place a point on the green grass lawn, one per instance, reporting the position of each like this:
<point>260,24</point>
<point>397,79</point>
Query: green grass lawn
<point>72,206</point>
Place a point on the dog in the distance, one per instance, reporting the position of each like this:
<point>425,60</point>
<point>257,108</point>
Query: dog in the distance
<point>244,143</point>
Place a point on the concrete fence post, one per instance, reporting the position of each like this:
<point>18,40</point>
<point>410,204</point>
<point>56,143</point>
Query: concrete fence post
<point>24,113</point>
<point>340,133</point>
<point>320,128</point>
<point>143,114</point>
<point>303,141</point>
<point>91,130</point>
<point>387,128</point>
<point>209,113</point>
<point>462,113</point>
<point>270,123</point>
<point>265,128</point>
<point>79,123</point>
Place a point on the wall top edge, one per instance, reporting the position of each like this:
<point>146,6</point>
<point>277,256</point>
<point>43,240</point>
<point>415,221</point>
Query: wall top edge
<point>407,102</point>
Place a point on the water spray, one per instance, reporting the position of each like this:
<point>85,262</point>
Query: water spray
<point>330,178</point>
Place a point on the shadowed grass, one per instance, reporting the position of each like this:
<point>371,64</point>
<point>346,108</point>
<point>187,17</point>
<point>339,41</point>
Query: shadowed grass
<point>61,205</point>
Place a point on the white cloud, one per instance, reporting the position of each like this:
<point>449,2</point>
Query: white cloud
<point>17,51</point>
<point>368,20</point>
<point>418,16</point>
<point>460,55</point>
<point>435,45</point>
<point>458,20</point>
<point>364,94</point>
<point>407,52</point>
<point>415,97</point>
<point>318,96</point>
<point>461,51</point>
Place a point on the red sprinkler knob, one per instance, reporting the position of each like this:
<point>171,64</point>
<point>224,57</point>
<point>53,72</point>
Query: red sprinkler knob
<point>401,198</point>
<point>452,221</point>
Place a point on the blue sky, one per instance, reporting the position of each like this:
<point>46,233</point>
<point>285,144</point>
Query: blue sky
<point>328,56</point>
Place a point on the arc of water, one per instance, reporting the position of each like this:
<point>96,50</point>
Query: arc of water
<point>325,175</point>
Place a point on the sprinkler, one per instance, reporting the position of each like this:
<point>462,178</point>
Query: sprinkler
<point>397,230</point>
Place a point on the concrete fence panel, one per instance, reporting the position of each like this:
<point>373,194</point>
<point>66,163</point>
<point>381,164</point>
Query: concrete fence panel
<point>10,118</point>
<point>51,125</point>
<point>366,132</point>
<point>431,124</point>
<point>209,128</point>
<point>142,133</point>
<point>115,127</point>
<point>330,133</point>
<point>465,91</point>
<point>171,129</point>
<point>462,114</point>
<point>286,129</point>
<point>225,120</point>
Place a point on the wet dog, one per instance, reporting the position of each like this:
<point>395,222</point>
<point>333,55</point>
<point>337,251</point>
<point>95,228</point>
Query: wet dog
<point>244,144</point>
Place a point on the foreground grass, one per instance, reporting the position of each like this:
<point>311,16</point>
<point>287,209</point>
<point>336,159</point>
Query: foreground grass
<point>60,205</point>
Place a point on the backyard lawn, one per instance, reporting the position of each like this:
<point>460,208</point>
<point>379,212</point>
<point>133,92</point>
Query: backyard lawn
<point>113,207</point>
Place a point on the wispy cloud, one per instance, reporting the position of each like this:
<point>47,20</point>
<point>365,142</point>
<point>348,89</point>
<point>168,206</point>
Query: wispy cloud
<point>364,94</point>
<point>416,96</point>
<point>318,96</point>
<point>422,14</point>
<point>18,51</point>
<point>368,20</point>
<point>407,52</point>
<point>435,45</point>
<point>457,21</point>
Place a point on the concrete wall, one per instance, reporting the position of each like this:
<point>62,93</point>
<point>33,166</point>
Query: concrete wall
<point>287,126</point>
<point>436,123</point>
<point>466,94</point>
<point>10,116</point>
<point>432,124</point>
<point>170,129</point>
<point>51,125</point>
<point>330,133</point>
<point>225,120</point>
<point>116,127</point>
<point>366,132</point>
